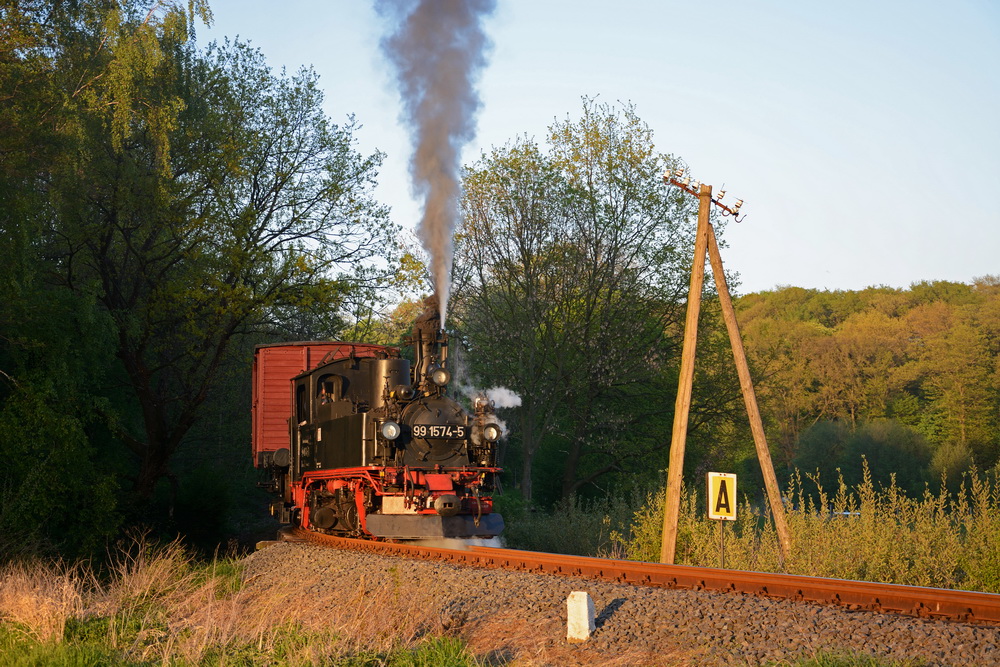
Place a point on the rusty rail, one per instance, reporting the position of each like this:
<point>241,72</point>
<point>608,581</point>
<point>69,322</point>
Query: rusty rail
<point>953,605</point>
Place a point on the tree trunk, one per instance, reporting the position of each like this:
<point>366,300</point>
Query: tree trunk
<point>526,490</point>
<point>528,449</point>
<point>572,464</point>
<point>151,468</point>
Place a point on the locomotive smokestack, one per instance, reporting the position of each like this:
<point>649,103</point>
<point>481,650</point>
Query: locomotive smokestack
<point>438,49</point>
<point>429,340</point>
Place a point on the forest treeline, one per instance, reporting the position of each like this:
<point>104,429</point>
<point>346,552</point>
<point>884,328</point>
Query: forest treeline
<point>907,378</point>
<point>168,205</point>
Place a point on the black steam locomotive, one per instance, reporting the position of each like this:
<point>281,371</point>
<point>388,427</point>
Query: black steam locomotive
<point>375,447</point>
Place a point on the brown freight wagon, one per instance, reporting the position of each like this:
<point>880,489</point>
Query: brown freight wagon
<point>274,366</point>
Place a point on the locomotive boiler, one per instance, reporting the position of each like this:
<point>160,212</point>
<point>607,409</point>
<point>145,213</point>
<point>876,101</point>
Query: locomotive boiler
<point>366,444</point>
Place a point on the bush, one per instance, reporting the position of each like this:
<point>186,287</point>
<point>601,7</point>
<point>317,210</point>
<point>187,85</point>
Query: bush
<point>574,526</point>
<point>891,450</point>
<point>52,495</point>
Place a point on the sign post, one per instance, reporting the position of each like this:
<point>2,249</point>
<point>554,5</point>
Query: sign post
<point>721,505</point>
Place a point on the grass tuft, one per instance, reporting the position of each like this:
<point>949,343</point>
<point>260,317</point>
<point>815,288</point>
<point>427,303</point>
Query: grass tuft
<point>848,659</point>
<point>37,599</point>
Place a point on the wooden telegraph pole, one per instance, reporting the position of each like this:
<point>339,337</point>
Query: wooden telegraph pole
<point>706,239</point>
<point>682,406</point>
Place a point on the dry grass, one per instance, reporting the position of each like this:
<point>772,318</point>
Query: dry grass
<point>159,606</point>
<point>38,599</point>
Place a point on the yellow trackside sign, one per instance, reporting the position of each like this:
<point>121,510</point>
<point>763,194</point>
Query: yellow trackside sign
<point>722,496</point>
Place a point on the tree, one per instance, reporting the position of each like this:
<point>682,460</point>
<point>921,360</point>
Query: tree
<point>889,449</point>
<point>571,269</point>
<point>860,366</point>
<point>506,267</point>
<point>55,492</point>
<point>958,381</point>
<point>785,377</point>
<point>201,197</point>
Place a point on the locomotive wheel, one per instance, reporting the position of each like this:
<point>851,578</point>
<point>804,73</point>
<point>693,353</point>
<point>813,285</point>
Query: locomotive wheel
<point>347,516</point>
<point>325,518</point>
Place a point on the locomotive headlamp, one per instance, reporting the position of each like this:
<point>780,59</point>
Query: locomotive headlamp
<point>440,376</point>
<point>391,430</point>
<point>492,432</point>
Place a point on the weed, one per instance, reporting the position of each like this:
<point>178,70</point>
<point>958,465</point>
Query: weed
<point>60,655</point>
<point>37,599</point>
<point>834,659</point>
<point>864,532</point>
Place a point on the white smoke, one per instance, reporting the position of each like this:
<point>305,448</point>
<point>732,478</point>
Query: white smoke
<point>503,397</point>
<point>438,48</point>
<point>460,543</point>
<point>465,384</point>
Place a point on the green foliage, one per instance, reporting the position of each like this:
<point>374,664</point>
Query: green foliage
<point>432,652</point>
<point>572,526</point>
<point>51,492</point>
<point>163,205</point>
<point>87,647</point>
<point>924,358</point>
<point>62,655</point>
<point>289,643</point>
<point>90,630</point>
<point>12,638</point>
<point>888,450</point>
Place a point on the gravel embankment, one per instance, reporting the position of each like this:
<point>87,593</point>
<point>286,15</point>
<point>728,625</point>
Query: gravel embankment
<point>635,625</point>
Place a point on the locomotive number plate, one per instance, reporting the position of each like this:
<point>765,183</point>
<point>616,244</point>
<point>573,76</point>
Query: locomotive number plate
<point>447,432</point>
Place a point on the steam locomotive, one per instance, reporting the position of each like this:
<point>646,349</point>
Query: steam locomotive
<point>367,445</point>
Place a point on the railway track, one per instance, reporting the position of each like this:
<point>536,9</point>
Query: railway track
<point>953,605</point>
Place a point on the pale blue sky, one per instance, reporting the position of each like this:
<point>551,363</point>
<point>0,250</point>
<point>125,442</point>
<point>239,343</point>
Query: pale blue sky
<point>863,136</point>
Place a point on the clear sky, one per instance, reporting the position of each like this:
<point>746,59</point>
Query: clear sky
<point>864,136</point>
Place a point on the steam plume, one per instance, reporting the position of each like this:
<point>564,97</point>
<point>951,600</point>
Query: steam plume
<point>438,49</point>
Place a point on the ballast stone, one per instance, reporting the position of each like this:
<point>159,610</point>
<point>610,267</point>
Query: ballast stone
<point>580,616</point>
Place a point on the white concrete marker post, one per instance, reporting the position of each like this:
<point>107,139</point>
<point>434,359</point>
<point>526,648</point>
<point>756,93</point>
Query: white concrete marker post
<point>580,616</point>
